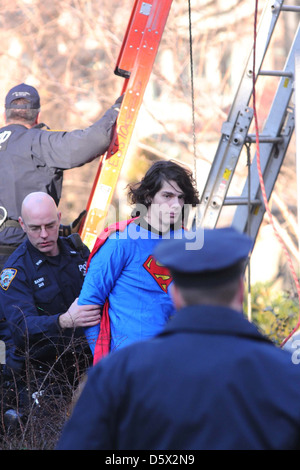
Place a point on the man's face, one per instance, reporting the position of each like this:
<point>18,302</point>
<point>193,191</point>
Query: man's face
<point>166,206</point>
<point>42,230</point>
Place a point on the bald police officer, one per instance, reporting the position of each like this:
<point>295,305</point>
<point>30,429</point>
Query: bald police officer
<point>210,380</point>
<point>33,158</point>
<point>41,320</point>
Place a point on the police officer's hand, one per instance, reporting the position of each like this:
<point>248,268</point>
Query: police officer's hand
<point>80,315</point>
<point>118,102</point>
<point>66,230</point>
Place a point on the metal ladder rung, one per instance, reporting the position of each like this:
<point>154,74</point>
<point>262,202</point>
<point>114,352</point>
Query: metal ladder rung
<point>251,138</point>
<point>276,73</point>
<point>290,8</point>
<point>241,201</point>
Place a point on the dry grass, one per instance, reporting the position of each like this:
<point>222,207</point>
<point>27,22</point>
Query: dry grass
<point>43,399</point>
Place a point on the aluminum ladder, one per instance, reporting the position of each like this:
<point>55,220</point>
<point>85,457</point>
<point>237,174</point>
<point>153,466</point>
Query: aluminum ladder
<point>274,139</point>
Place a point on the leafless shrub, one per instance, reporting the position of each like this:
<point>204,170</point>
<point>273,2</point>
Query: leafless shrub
<point>36,403</point>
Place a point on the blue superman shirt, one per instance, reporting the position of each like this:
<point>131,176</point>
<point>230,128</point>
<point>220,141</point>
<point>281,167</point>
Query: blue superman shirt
<point>125,272</point>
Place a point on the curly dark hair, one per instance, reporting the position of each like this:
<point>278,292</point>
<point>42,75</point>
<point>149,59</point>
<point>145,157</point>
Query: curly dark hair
<point>142,193</point>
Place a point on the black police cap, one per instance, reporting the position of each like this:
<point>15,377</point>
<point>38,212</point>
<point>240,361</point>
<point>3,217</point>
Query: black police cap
<point>23,91</point>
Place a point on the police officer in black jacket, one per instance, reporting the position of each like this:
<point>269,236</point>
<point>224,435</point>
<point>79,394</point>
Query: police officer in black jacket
<point>33,158</point>
<point>39,285</point>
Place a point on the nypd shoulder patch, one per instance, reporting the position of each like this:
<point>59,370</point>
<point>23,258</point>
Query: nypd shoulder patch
<point>6,277</point>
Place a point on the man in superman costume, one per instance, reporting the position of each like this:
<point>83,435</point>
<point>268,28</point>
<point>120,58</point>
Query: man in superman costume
<point>123,277</point>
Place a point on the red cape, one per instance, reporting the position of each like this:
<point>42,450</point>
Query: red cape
<point>102,346</point>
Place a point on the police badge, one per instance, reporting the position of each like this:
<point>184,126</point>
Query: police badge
<point>6,277</point>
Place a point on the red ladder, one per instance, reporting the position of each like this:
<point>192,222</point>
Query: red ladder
<point>135,63</point>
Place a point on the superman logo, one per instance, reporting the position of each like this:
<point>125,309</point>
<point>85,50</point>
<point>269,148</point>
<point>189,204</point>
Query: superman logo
<point>159,272</point>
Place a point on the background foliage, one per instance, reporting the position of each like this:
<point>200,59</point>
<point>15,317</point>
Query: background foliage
<point>275,312</point>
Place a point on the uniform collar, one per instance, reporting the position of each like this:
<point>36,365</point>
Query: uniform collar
<point>208,319</point>
<point>15,124</point>
<point>39,258</point>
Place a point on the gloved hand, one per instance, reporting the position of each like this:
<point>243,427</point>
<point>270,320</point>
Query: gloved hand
<point>66,230</point>
<point>118,102</point>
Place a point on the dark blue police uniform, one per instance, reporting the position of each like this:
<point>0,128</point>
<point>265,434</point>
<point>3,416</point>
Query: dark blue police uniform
<point>34,290</point>
<point>210,380</point>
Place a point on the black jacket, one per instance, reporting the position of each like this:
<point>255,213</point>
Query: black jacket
<point>209,381</point>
